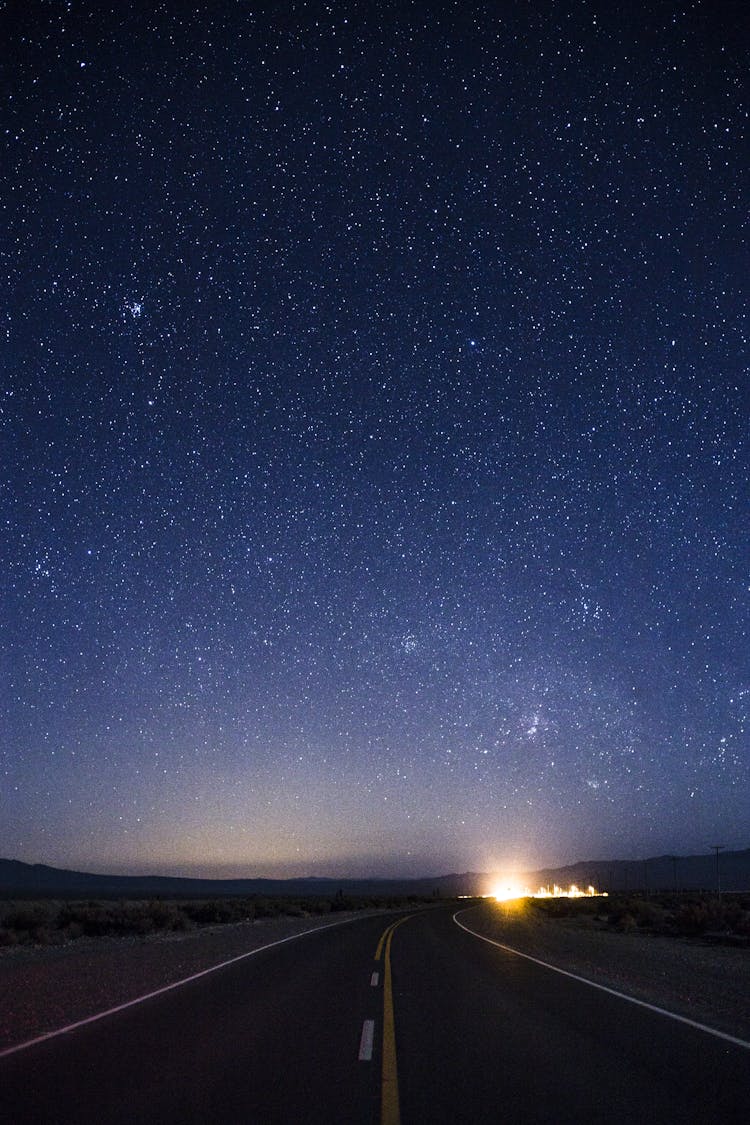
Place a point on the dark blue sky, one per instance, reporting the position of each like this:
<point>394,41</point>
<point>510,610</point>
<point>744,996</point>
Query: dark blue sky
<point>375,434</point>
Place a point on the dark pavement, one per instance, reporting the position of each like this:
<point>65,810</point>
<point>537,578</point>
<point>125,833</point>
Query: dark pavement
<point>485,1036</point>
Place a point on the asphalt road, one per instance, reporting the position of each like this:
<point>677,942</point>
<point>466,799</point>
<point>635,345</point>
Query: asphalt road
<point>484,1035</point>
<point>341,1026</point>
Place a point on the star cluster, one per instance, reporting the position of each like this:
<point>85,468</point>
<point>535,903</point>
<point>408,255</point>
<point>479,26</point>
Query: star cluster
<point>374,418</point>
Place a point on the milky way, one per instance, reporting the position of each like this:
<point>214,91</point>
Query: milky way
<point>375,434</point>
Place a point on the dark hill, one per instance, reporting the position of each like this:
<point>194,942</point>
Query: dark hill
<point>38,879</point>
<point>665,873</point>
<point>657,873</point>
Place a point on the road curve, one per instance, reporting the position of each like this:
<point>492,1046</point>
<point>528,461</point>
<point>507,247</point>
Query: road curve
<point>273,1038</point>
<point>487,1036</point>
<point>382,1021</point>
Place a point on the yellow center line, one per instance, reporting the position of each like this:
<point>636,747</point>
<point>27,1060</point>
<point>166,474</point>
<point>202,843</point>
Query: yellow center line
<point>383,936</point>
<point>390,1113</point>
<point>388,930</point>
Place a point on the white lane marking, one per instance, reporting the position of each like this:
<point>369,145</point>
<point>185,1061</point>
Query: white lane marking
<point>374,979</point>
<point>603,988</point>
<point>167,988</point>
<point>366,1040</point>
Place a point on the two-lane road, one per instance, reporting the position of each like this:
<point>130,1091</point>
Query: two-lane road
<point>372,1021</point>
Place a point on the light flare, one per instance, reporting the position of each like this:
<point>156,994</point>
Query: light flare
<point>506,891</point>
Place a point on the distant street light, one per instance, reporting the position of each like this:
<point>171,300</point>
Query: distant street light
<point>716,849</point>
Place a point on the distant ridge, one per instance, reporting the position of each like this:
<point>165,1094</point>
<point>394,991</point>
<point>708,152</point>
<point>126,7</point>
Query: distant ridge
<point>664,873</point>
<point>18,878</point>
<point>656,873</point>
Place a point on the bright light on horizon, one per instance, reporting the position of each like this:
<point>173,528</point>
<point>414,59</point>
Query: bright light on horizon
<point>507,891</point>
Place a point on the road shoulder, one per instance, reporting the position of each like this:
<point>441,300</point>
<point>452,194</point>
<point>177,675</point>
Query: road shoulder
<point>708,984</point>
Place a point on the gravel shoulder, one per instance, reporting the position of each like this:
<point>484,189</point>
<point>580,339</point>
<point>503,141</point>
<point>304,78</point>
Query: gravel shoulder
<point>706,983</point>
<point>45,988</point>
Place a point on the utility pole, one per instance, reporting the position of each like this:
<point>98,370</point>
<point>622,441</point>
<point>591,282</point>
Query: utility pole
<point>674,872</point>
<point>716,848</point>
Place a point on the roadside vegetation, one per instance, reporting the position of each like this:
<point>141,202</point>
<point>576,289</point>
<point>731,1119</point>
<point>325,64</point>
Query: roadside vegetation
<point>55,922</point>
<point>724,918</point>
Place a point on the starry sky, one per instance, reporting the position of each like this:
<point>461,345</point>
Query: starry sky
<point>374,430</point>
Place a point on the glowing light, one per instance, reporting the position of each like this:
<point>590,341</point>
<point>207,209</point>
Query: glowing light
<point>506,891</point>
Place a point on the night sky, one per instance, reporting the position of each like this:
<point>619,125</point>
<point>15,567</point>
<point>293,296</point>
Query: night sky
<point>374,434</point>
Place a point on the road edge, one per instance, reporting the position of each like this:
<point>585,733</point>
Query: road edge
<point>16,1047</point>
<point>737,1042</point>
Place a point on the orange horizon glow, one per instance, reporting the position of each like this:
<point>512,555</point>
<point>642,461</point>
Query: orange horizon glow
<point>508,891</point>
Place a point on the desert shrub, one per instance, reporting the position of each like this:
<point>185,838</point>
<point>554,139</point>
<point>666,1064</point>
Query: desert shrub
<point>551,907</point>
<point>182,922</point>
<point>32,922</point>
<point>128,918</point>
<point>87,918</point>
<point>622,914</point>
<point>50,921</point>
<point>343,902</point>
<point>167,916</point>
<point>649,915</point>
<point>90,918</point>
<point>742,925</point>
<point>266,908</point>
<point>629,913</point>
<point>222,910</point>
<point>730,913</point>
<point>44,935</point>
<point>97,919</point>
<point>295,910</point>
<point>318,905</point>
<point>626,923</point>
<point>199,913</point>
<point>694,917</point>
